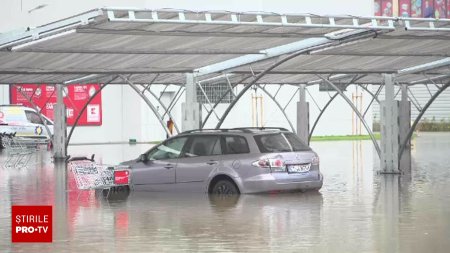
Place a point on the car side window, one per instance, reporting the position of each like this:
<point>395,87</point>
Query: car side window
<point>236,145</point>
<point>168,150</point>
<point>203,145</point>
<point>33,117</point>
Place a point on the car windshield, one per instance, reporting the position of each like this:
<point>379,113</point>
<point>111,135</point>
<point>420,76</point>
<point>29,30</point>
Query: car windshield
<point>279,142</point>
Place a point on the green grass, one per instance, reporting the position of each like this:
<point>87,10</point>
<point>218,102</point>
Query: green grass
<point>344,137</point>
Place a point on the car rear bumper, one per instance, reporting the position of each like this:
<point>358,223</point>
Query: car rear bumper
<point>267,183</point>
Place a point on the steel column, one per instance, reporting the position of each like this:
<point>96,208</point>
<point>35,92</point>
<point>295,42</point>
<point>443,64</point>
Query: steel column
<point>191,109</point>
<point>303,115</point>
<point>404,127</point>
<point>60,127</point>
<point>389,128</point>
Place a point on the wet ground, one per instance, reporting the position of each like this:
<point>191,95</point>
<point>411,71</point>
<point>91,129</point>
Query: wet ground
<point>356,210</point>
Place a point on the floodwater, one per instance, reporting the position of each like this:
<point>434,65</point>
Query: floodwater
<point>357,210</point>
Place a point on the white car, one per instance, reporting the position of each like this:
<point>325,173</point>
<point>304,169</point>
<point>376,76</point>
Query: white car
<point>24,122</point>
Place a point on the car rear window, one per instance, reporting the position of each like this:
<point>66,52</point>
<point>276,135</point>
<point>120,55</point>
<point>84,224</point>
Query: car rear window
<point>235,145</point>
<point>279,142</point>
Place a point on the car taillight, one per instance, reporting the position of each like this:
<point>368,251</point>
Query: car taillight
<point>315,160</point>
<point>121,177</point>
<point>269,163</point>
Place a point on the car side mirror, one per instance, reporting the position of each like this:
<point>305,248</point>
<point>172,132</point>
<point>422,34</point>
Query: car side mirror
<point>143,158</point>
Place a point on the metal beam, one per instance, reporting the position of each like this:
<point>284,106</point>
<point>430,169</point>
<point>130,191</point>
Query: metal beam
<point>148,102</point>
<point>92,71</point>
<point>265,54</point>
<point>424,67</point>
<point>354,79</point>
<point>311,45</point>
<point>221,98</point>
<point>278,105</point>
<point>166,109</point>
<point>36,34</point>
<point>369,131</point>
<point>253,19</point>
<point>75,124</point>
<point>259,76</point>
<point>416,121</point>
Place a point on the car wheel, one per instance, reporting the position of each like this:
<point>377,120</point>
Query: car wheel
<point>225,187</point>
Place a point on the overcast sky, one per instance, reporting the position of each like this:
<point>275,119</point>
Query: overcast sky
<point>15,14</point>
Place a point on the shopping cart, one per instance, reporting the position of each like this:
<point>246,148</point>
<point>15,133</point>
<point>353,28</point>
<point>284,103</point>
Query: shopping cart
<point>20,150</point>
<point>90,175</point>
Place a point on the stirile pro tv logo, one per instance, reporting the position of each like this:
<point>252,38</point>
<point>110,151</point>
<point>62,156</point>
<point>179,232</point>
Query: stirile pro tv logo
<point>31,224</point>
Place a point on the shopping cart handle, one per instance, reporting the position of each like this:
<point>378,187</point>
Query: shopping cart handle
<point>80,158</point>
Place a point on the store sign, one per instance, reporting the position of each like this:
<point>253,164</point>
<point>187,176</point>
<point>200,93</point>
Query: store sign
<point>75,97</point>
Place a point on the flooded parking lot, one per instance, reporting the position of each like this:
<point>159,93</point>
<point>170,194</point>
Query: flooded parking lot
<point>355,211</point>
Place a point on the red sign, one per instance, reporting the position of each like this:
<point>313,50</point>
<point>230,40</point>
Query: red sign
<point>31,224</point>
<point>75,97</point>
<point>413,8</point>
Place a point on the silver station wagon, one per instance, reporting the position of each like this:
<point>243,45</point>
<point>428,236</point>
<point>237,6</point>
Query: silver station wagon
<point>228,161</point>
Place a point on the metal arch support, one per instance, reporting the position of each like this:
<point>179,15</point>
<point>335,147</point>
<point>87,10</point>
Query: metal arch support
<point>355,78</point>
<point>320,114</point>
<point>174,101</point>
<point>147,101</point>
<point>259,76</point>
<point>371,93</point>
<point>416,121</point>
<point>75,124</point>
<point>207,100</point>
<point>279,106</point>
<point>373,99</point>
<point>307,46</point>
<point>38,111</point>
<point>366,126</point>
<point>165,109</point>
<point>221,98</point>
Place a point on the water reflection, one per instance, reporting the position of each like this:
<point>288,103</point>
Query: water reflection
<point>356,211</point>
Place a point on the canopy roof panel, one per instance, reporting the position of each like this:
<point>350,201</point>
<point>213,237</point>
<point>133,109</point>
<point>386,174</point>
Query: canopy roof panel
<point>162,45</point>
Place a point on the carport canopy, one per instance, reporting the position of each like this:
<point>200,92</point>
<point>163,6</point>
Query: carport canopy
<point>161,46</point>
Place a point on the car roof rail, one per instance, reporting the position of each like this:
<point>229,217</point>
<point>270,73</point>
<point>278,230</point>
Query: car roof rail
<point>211,130</point>
<point>242,129</point>
<point>260,128</point>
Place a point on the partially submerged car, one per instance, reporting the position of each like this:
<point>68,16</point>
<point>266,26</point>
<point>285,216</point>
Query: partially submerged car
<point>22,121</point>
<point>228,161</point>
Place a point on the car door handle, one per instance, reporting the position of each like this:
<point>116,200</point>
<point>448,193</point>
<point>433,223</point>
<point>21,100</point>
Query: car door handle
<point>168,166</point>
<point>211,162</point>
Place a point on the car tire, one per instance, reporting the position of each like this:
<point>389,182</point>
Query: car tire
<point>225,187</point>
